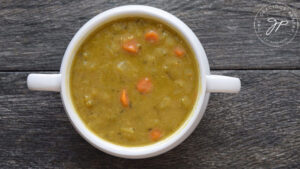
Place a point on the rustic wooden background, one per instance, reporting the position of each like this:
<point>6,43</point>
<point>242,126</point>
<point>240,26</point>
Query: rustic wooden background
<point>257,128</point>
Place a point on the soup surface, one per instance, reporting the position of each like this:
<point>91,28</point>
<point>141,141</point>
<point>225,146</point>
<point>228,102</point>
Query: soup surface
<point>134,81</point>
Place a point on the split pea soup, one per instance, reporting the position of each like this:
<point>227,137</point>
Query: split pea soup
<point>134,82</point>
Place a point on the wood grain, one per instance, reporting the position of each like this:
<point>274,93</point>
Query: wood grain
<point>35,33</point>
<point>257,128</point>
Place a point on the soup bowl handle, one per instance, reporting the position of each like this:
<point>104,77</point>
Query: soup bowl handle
<point>222,84</point>
<point>44,82</point>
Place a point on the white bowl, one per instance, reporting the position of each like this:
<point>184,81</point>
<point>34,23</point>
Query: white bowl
<point>208,83</point>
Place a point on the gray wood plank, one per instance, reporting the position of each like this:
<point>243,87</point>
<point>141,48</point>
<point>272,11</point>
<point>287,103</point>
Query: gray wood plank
<point>257,128</point>
<point>34,33</point>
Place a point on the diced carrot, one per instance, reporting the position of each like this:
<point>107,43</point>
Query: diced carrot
<point>155,134</point>
<point>152,36</point>
<point>144,85</point>
<point>124,98</point>
<point>179,52</point>
<point>130,46</point>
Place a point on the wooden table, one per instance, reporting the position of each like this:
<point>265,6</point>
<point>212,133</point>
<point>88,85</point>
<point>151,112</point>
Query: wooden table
<point>257,128</point>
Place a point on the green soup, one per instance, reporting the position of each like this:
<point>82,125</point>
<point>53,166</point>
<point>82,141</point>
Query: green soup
<point>134,82</point>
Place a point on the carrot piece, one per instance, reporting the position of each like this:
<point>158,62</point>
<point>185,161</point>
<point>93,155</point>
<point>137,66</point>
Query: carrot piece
<point>144,85</point>
<point>179,52</point>
<point>124,98</point>
<point>152,36</point>
<point>155,134</point>
<point>130,46</point>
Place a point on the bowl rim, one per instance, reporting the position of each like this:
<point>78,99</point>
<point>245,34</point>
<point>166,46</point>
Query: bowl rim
<point>200,104</point>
